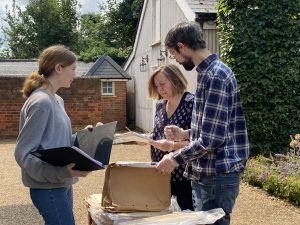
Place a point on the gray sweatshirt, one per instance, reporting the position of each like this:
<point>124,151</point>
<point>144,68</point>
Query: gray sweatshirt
<point>43,124</point>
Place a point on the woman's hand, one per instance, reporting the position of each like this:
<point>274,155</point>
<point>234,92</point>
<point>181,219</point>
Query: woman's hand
<point>99,124</point>
<point>77,173</point>
<point>163,145</point>
<point>175,133</point>
<point>90,127</point>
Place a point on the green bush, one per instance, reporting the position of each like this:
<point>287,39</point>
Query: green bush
<point>260,41</point>
<point>292,189</point>
<point>288,188</point>
<point>278,175</point>
<point>253,173</point>
<point>273,185</point>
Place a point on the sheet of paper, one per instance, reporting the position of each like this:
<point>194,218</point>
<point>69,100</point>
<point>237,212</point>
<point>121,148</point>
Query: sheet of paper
<point>134,136</point>
<point>136,164</point>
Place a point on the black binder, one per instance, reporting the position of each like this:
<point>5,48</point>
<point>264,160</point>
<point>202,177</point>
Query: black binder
<point>91,150</point>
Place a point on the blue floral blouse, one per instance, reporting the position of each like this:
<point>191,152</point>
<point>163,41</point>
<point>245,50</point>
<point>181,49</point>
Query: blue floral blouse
<point>181,117</point>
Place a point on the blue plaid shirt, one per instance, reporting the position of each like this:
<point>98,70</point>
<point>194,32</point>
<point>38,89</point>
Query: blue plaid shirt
<point>218,136</point>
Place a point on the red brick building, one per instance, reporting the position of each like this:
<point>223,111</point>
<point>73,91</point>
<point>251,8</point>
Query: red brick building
<point>97,94</point>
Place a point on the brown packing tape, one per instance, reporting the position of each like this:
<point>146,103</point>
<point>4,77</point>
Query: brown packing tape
<point>130,189</point>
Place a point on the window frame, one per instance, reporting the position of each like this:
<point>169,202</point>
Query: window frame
<point>112,87</point>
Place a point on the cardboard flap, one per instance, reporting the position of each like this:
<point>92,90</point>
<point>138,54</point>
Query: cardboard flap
<point>130,188</point>
<point>106,199</point>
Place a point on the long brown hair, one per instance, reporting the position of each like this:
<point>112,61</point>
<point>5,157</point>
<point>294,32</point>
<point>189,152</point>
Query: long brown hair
<point>174,75</point>
<point>49,58</point>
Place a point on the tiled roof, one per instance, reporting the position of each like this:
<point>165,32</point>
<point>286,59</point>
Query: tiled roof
<point>25,67</point>
<point>106,68</point>
<point>202,6</point>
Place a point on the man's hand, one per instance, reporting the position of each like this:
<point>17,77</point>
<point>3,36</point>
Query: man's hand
<point>167,164</point>
<point>163,145</point>
<point>76,173</point>
<point>175,133</point>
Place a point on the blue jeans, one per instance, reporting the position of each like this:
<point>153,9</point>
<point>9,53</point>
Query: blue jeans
<point>218,191</point>
<point>55,205</point>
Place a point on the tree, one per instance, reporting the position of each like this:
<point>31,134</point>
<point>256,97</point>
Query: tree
<point>3,51</point>
<point>121,22</point>
<point>111,31</point>
<point>260,42</point>
<point>41,24</point>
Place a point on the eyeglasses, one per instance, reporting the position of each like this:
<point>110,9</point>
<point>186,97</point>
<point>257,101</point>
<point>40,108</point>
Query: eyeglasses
<point>170,53</point>
<point>171,56</point>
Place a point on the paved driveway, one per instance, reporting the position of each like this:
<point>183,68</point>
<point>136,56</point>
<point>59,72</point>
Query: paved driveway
<point>253,206</point>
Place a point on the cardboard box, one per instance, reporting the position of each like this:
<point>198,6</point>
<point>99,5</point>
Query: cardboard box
<point>109,218</point>
<point>135,186</point>
<point>134,193</point>
<point>147,218</point>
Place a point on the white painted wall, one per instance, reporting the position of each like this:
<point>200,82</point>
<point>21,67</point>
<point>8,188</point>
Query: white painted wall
<point>170,14</point>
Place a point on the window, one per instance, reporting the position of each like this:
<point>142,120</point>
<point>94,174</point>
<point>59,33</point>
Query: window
<point>108,88</point>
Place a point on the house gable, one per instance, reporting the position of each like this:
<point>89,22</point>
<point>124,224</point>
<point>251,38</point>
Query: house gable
<point>191,9</point>
<point>149,52</point>
<point>106,68</point>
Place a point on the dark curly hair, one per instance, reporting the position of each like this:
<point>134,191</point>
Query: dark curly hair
<point>188,33</point>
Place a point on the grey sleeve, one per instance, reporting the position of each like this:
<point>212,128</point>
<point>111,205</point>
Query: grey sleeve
<point>29,139</point>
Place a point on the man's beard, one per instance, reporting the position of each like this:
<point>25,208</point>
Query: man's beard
<point>188,64</point>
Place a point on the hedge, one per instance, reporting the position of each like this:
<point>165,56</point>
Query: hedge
<point>260,41</point>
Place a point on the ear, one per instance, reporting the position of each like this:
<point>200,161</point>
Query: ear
<point>57,68</point>
<point>180,45</point>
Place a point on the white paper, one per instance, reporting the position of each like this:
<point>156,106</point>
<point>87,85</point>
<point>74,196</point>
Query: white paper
<point>136,164</point>
<point>134,136</point>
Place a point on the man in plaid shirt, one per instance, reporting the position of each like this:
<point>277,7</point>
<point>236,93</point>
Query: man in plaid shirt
<point>218,147</point>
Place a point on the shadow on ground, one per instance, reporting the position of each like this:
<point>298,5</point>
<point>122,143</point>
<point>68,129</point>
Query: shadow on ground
<point>19,214</point>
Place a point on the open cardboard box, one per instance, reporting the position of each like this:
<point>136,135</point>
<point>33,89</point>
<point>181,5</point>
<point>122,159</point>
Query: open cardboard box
<point>135,194</point>
<point>103,217</point>
<point>134,187</point>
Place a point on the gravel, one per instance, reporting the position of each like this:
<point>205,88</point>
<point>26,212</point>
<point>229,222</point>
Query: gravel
<point>253,206</point>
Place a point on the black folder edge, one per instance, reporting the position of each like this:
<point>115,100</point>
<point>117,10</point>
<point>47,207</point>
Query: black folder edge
<point>95,164</point>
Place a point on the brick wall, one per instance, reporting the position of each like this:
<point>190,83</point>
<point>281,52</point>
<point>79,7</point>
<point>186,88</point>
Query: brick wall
<point>83,103</point>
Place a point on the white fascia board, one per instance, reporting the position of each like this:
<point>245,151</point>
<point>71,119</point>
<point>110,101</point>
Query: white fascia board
<point>130,58</point>
<point>111,80</point>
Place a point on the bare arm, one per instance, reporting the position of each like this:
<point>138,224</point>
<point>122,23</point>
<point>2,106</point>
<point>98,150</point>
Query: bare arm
<point>168,146</point>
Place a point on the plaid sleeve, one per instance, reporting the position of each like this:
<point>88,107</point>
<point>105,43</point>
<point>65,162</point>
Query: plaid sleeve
<point>214,122</point>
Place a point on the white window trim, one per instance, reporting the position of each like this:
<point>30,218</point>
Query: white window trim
<point>113,88</point>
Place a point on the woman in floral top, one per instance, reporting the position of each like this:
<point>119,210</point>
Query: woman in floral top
<point>174,107</point>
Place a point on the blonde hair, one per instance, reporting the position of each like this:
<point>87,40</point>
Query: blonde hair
<point>49,58</point>
<point>174,75</point>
